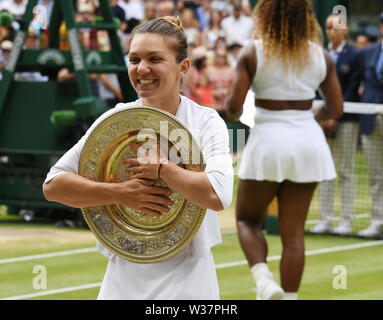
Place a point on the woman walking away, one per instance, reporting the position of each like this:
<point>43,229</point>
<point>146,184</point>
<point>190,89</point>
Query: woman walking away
<point>286,154</point>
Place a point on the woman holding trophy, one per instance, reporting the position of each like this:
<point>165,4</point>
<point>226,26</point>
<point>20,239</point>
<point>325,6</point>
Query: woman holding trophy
<point>158,61</point>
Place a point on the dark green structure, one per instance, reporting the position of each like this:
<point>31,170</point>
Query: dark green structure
<point>39,121</point>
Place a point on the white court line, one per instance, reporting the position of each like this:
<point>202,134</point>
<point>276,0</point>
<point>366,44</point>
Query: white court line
<point>48,255</point>
<point>49,292</point>
<point>94,249</point>
<point>66,253</point>
<point>308,253</point>
<point>218,266</point>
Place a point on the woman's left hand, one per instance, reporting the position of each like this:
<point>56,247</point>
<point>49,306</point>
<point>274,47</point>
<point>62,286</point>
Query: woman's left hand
<point>141,170</point>
<point>147,163</point>
<point>329,126</point>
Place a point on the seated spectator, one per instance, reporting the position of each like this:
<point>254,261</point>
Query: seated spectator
<point>238,27</point>
<point>220,43</point>
<point>221,76</point>
<point>7,32</point>
<point>39,20</point>
<point>198,58</point>
<point>191,27</point>
<point>86,12</point>
<point>15,7</point>
<point>246,7</point>
<point>134,9</point>
<point>48,6</point>
<point>119,13</point>
<point>150,11</point>
<point>32,42</point>
<point>204,91</point>
<point>166,8</point>
<point>5,49</point>
<point>212,31</point>
<point>203,12</point>
<point>65,75</point>
<point>134,12</point>
<point>93,3</point>
<point>234,49</point>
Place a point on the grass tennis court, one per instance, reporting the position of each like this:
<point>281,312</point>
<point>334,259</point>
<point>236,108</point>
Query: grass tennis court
<point>79,274</point>
<point>74,274</point>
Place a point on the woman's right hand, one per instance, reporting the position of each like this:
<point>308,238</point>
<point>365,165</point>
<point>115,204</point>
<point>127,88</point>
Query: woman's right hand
<point>142,195</point>
<point>329,126</point>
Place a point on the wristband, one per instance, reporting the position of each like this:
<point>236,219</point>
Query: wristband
<point>159,168</point>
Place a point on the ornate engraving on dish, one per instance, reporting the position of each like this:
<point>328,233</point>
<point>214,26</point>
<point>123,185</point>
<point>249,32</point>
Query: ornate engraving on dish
<point>129,233</point>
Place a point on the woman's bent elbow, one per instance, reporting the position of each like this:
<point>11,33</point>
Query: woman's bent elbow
<point>216,204</point>
<point>339,113</point>
<point>47,191</point>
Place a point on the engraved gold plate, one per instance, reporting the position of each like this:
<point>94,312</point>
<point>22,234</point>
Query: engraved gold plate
<point>132,234</point>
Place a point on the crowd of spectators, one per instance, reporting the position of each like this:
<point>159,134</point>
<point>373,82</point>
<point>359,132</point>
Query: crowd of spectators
<point>216,31</point>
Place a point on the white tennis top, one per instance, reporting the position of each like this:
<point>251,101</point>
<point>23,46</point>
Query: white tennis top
<point>211,133</point>
<point>273,83</point>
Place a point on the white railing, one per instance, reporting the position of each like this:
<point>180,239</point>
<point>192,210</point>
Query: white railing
<point>349,107</point>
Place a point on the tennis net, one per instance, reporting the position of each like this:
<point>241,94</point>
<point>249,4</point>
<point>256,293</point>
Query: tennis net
<point>352,204</point>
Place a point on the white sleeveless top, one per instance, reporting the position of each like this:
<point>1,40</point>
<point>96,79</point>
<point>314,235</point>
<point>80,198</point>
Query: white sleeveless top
<point>274,83</point>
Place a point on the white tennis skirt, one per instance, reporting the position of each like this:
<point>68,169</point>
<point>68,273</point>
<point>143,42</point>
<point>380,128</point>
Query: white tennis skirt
<point>286,145</point>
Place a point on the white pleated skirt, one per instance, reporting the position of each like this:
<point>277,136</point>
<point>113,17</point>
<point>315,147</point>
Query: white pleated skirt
<point>181,277</point>
<point>286,145</point>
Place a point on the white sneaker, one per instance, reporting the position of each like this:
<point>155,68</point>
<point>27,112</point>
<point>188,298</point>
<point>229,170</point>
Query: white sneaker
<point>371,232</point>
<point>322,227</point>
<point>268,289</point>
<point>343,228</point>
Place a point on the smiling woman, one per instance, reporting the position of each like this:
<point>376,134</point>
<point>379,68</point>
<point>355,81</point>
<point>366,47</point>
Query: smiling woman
<point>158,59</point>
<point>154,71</point>
<point>158,62</point>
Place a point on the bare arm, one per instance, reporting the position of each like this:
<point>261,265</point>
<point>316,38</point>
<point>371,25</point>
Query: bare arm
<point>195,186</point>
<point>244,73</point>
<point>331,92</point>
<point>64,75</point>
<point>76,191</point>
<point>67,188</point>
<point>116,90</point>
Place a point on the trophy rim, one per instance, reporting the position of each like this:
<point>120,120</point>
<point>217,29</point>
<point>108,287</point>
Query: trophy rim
<point>91,212</point>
